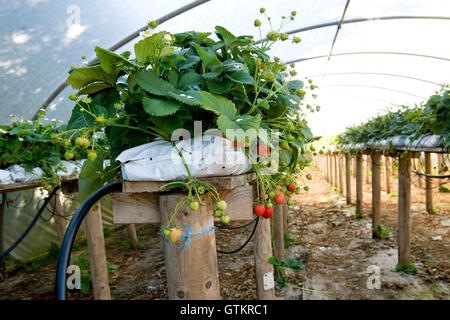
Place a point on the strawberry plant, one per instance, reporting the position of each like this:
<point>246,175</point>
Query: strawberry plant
<point>227,82</point>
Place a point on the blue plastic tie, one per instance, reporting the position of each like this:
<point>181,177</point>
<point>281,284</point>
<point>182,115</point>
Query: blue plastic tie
<point>188,235</point>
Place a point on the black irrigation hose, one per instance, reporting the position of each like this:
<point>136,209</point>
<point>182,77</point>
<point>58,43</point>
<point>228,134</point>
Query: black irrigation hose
<point>238,227</point>
<point>422,174</point>
<point>246,242</point>
<point>31,225</point>
<point>71,232</point>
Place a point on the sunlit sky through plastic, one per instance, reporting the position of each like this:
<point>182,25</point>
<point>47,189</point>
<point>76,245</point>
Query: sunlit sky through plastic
<point>41,39</point>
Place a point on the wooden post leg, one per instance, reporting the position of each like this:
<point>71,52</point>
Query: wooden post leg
<point>285,217</point>
<point>428,184</point>
<point>335,164</point>
<point>328,167</point>
<point>264,270</point>
<point>60,223</point>
<point>418,167</point>
<point>367,169</point>
<point>376,191</point>
<point>354,168</point>
<point>2,213</point>
<point>348,180</point>
<point>131,228</point>
<point>387,174</point>
<point>404,208</point>
<point>97,254</point>
<point>341,182</point>
<point>278,231</point>
<point>359,184</point>
<point>393,166</point>
<point>439,163</point>
<point>192,273</point>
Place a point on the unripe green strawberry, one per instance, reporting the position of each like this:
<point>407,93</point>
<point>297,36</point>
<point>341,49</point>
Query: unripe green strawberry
<point>285,145</point>
<point>69,155</point>
<point>221,205</point>
<point>100,119</point>
<point>79,142</point>
<point>306,188</point>
<point>262,10</point>
<point>86,143</point>
<point>290,137</point>
<point>73,97</point>
<point>293,13</point>
<point>225,219</point>
<point>290,202</point>
<point>309,176</point>
<point>67,143</point>
<point>153,24</point>
<point>271,194</point>
<point>269,205</point>
<point>92,155</point>
<point>297,190</point>
<point>284,36</point>
<point>297,40</point>
<point>269,76</point>
<point>218,213</point>
<point>201,190</point>
<point>175,234</point>
<point>257,23</point>
<point>167,232</point>
<point>194,205</point>
<point>283,67</point>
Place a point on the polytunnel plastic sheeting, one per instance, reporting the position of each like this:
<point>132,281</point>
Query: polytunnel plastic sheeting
<point>41,39</point>
<point>20,213</point>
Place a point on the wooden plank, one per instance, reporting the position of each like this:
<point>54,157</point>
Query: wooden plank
<point>30,185</point>
<point>376,192</point>
<point>348,179</point>
<point>135,208</point>
<point>387,174</point>
<point>439,164</point>
<point>221,183</point>
<point>97,254</point>
<point>58,214</point>
<point>359,184</point>
<point>404,211</point>
<point>192,273</point>
<point>144,207</point>
<point>418,167</point>
<point>263,270</point>
<point>335,164</point>
<point>354,168</point>
<point>428,184</point>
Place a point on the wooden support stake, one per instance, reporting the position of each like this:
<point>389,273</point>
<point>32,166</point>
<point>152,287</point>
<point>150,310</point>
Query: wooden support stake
<point>285,217</point>
<point>2,213</point>
<point>428,184</point>
<point>418,167</point>
<point>387,174</point>
<point>367,169</point>
<point>376,192</point>
<point>335,164</point>
<point>359,184</point>
<point>393,166</point>
<point>328,168</point>
<point>354,168</point>
<point>278,230</point>
<point>439,163</point>
<point>348,179</point>
<point>192,273</point>
<point>97,254</point>
<point>60,222</point>
<point>404,208</point>
<point>131,228</point>
<point>263,269</point>
<point>341,182</point>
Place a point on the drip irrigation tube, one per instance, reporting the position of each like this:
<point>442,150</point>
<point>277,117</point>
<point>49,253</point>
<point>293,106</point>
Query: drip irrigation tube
<point>245,243</point>
<point>31,225</point>
<point>71,232</point>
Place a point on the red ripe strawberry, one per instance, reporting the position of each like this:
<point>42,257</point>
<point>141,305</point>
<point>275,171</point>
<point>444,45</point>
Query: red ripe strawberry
<point>291,187</point>
<point>280,199</point>
<point>10,200</point>
<point>238,144</point>
<point>268,213</point>
<point>263,150</point>
<point>259,210</point>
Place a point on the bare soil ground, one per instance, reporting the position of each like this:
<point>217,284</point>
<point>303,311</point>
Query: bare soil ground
<point>336,247</point>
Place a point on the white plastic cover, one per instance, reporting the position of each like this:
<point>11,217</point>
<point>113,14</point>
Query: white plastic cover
<point>206,156</point>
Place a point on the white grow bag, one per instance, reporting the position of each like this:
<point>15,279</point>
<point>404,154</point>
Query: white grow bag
<point>206,156</point>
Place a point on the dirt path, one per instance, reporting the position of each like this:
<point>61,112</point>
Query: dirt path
<point>341,250</point>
